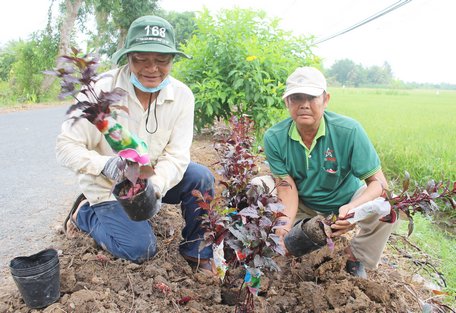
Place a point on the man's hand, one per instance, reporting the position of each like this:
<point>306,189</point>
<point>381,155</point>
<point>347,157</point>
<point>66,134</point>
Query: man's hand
<point>341,226</point>
<point>158,197</point>
<point>343,211</point>
<point>111,169</point>
<point>284,226</point>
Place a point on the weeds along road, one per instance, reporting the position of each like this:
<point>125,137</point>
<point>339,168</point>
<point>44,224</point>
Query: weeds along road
<point>35,191</point>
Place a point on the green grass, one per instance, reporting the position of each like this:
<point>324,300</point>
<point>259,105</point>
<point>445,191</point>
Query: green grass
<point>438,244</point>
<point>413,131</point>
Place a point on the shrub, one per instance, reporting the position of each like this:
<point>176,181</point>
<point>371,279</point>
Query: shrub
<point>241,60</point>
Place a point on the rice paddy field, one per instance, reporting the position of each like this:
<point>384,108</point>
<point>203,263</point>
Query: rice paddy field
<point>412,130</point>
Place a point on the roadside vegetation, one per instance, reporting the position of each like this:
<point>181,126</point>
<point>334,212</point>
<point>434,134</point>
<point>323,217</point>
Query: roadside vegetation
<point>438,247</point>
<point>241,61</point>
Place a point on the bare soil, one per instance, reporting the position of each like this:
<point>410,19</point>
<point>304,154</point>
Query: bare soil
<point>93,281</point>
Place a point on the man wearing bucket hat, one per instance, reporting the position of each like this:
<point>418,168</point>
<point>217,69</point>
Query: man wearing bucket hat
<point>329,165</point>
<point>160,113</point>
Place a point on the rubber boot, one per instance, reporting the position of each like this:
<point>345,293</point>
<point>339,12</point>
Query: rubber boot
<point>305,237</point>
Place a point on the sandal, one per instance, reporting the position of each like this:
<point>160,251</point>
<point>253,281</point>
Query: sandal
<point>69,217</point>
<point>356,268</point>
<point>203,265</point>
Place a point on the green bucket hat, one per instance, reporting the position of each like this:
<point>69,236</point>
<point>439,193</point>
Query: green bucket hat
<point>149,34</point>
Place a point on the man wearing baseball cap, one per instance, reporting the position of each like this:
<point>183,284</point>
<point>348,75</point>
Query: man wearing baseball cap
<point>160,111</point>
<point>329,165</point>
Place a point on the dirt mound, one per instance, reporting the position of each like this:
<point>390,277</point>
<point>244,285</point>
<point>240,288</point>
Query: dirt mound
<point>93,281</point>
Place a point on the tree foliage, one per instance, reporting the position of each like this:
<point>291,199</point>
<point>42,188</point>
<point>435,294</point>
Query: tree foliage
<point>183,23</point>
<point>241,60</point>
<point>113,18</point>
<point>32,58</point>
<point>7,59</point>
<point>347,72</point>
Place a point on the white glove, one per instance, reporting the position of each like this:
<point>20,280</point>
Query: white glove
<point>112,168</point>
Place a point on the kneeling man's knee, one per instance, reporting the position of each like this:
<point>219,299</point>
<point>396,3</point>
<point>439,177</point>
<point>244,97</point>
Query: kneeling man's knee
<point>142,251</point>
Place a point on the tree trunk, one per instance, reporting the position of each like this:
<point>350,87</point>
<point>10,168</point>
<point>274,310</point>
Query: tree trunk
<point>121,41</point>
<point>72,9</point>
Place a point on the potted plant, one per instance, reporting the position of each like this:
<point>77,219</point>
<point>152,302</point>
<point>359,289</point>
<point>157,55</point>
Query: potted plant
<point>78,75</point>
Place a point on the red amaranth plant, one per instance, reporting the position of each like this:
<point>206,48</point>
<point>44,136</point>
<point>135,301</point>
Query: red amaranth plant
<point>423,199</point>
<point>243,220</point>
<point>78,76</point>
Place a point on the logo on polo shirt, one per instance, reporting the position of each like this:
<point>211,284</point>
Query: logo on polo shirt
<point>329,155</point>
<point>330,164</point>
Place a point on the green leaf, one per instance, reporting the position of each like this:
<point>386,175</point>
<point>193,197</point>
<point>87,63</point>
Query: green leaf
<point>238,83</point>
<point>209,110</point>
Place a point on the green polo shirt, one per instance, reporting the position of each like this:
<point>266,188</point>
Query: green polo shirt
<point>329,173</point>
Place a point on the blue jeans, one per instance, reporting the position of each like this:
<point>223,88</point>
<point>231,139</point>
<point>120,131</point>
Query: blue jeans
<point>108,224</point>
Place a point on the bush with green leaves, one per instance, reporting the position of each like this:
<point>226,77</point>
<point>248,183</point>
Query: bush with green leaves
<point>32,58</point>
<point>241,60</point>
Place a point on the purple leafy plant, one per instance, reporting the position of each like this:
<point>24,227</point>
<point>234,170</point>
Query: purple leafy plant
<point>244,218</point>
<point>422,199</point>
<point>425,200</point>
<point>78,76</point>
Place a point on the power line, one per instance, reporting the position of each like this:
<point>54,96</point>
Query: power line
<point>365,21</point>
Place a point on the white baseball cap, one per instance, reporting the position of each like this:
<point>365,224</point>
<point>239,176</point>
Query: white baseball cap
<point>307,80</point>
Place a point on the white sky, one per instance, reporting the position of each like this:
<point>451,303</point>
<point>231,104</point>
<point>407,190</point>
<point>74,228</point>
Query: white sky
<point>417,39</point>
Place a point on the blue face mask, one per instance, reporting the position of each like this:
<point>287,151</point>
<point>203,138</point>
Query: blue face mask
<point>134,80</point>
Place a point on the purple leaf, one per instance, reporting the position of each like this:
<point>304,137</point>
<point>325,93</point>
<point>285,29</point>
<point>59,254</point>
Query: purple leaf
<point>249,212</point>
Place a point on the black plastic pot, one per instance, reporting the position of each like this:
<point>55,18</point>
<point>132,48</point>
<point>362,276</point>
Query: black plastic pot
<point>142,205</point>
<point>37,277</point>
<point>301,239</point>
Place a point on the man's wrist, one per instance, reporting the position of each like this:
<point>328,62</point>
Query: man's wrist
<point>282,222</point>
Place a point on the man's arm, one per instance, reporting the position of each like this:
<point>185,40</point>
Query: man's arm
<point>76,144</point>
<point>376,185</point>
<point>288,194</point>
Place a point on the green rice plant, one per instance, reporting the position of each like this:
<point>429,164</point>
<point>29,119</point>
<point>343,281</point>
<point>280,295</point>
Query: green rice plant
<point>413,130</point>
